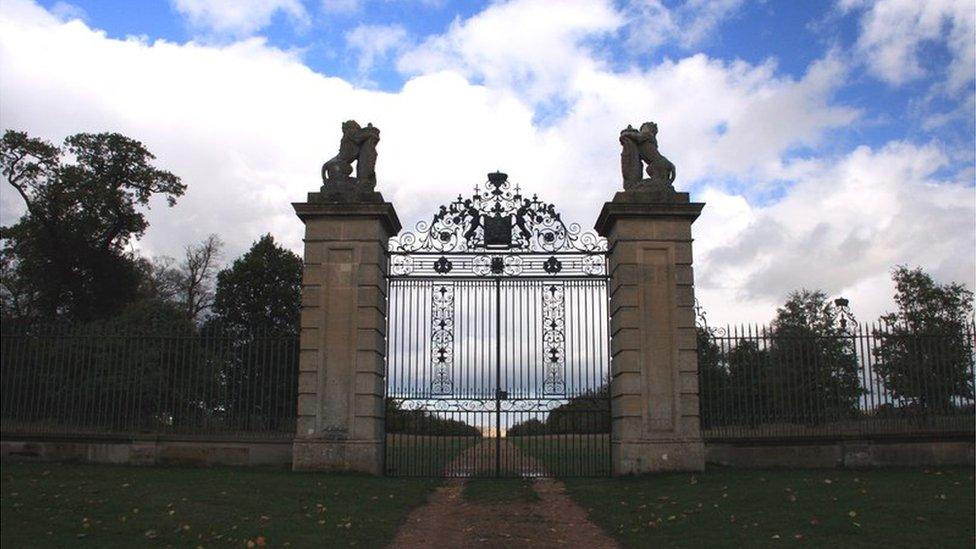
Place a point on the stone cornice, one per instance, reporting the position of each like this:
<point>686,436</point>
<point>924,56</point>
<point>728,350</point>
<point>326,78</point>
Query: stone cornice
<point>382,210</point>
<point>612,211</point>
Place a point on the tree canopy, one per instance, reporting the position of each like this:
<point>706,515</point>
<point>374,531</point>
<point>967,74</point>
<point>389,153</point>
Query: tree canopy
<point>263,288</point>
<point>802,369</point>
<point>66,257</point>
<point>925,352</point>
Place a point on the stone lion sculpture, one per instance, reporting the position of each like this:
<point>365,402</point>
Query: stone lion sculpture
<point>640,147</point>
<point>357,145</point>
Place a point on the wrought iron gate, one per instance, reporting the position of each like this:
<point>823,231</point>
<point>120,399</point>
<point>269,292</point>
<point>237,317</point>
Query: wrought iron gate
<point>497,345</point>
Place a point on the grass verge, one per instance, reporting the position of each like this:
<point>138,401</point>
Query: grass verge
<point>747,508</point>
<point>118,506</point>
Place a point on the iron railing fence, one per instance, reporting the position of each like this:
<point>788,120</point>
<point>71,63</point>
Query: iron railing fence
<point>857,380</point>
<point>111,379</point>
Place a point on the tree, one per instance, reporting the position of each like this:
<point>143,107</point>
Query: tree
<point>813,369</point>
<point>66,258</point>
<point>190,283</point>
<point>925,353</point>
<point>257,304</point>
<point>263,288</point>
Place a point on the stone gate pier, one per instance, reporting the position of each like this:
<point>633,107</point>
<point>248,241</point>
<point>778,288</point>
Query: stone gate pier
<point>343,321</point>
<point>654,359</point>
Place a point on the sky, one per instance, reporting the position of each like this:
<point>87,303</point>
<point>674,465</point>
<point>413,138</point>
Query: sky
<point>829,140</point>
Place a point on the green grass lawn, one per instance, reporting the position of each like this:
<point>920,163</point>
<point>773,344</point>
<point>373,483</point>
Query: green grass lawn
<point>118,506</point>
<point>820,508</point>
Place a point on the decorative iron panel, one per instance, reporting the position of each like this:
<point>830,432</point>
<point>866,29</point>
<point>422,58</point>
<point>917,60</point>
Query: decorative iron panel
<point>499,376</point>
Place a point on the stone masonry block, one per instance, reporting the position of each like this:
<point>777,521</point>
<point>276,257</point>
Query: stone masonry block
<point>684,317</point>
<point>313,275</point>
<point>370,361</point>
<point>371,296</point>
<point>308,382</point>
<point>310,339</point>
<point>308,360</point>
<point>626,406</point>
<point>371,318</point>
<point>308,404</point>
<point>625,340</point>
<point>624,318</point>
<point>688,361</point>
<point>370,340</point>
<point>626,362</point>
<point>688,382</point>
<point>370,383</point>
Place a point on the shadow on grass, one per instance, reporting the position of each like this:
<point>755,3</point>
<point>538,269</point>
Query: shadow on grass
<point>60,504</point>
<point>746,508</point>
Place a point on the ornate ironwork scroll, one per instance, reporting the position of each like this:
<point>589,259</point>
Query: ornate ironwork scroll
<point>554,338</point>
<point>444,405</point>
<point>442,339</point>
<point>498,232</point>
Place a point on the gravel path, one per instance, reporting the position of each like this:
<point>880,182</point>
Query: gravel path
<point>447,520</point>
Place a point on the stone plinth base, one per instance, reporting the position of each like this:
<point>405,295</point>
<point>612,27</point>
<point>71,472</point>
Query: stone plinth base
<point>653,456</point>
<point>364,456</point>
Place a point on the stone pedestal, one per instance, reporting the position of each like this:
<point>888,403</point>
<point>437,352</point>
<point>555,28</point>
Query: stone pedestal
<point>341,373</point>
<point>654,368</point>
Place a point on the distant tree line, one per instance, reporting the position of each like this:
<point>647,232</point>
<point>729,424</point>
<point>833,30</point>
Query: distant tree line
<point>807,367</point>
<point>424,422</point>
<point>587,412</point>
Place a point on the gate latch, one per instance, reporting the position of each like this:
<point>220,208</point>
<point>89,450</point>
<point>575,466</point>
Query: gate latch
<point>501,395</point>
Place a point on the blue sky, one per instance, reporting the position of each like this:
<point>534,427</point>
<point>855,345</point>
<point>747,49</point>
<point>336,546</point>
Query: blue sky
<point>831,140</point>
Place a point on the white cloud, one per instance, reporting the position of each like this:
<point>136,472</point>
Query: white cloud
<point>375,42</point>
<point>524,45</point>
<point>651,24</point>
<point>894,32</point>
<point>66,11</point>
<point>341,6</point>
<point>237,17</point>
<point>842,226</point>
<point>248,126</point>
